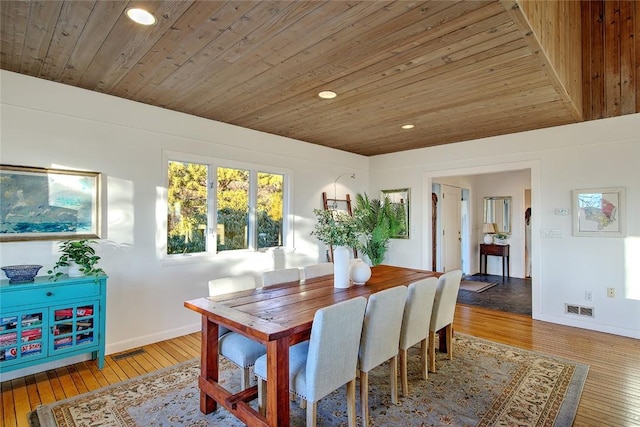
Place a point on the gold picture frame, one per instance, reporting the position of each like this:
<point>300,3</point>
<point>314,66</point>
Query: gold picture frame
<point>48,204</point>
<point>399,199</point>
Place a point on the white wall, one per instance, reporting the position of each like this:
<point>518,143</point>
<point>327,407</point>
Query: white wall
<point>45,124</point>
<point>602,153</point>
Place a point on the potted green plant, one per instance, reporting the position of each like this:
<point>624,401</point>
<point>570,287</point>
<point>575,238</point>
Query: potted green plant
<point>78,253</point>
<point>335,228</point>
<point>377,221</point>
<point>500,237</point>
<point>339,230</point>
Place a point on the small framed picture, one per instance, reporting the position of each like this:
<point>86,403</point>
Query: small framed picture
<point>599,212</point>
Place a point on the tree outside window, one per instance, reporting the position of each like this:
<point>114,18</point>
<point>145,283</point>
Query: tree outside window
<point>269,209</point>
<point>233,209</point>
<point>187,208</point>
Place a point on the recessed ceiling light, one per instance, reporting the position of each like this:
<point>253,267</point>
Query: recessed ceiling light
<point>141,16</point>
<point>408,126</point>
<point>327,94</point>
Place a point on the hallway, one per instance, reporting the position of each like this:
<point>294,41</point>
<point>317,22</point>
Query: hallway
<point>512,295</point>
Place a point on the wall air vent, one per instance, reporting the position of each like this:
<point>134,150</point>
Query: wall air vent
<point>586,311</point>
<point>571,309</point>
<point>579,310</point>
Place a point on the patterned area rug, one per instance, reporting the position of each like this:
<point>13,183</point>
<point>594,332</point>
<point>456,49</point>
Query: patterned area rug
<point>486,384</point>
<point>474,286</point>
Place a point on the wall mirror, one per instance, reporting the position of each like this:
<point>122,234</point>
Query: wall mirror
<point>498,211</point>
<point>399,199</point>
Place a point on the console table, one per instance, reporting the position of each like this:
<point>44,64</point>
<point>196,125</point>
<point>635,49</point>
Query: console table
<point>495,250</point>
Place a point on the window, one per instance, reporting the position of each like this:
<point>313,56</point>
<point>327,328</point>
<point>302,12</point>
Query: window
<point>187,208</point>
<point>245,212</point>
<point>233,209</point>
<point>269,209</point>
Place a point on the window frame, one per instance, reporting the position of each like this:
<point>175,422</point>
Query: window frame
<point>213,164</point>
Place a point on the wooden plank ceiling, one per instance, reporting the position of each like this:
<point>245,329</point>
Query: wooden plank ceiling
<point>456,70</point>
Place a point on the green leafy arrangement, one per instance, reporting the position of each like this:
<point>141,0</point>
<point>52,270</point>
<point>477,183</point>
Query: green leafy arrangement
<point>82,253</point>
<point>335,228</point>
<point>377,221</point>
<point>501,236</point>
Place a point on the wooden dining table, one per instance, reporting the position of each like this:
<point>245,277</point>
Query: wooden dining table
<point>278,317</point>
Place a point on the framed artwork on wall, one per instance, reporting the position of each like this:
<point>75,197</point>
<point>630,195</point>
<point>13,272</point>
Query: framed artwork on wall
<point>48,204</point>
<point>599,212</point>
<point>399,199</point>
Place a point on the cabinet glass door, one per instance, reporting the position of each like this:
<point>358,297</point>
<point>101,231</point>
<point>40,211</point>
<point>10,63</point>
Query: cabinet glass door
<point>73,326</point>
<point>21,336</point>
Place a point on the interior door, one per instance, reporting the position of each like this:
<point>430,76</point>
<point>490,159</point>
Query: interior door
<point>451,233</point>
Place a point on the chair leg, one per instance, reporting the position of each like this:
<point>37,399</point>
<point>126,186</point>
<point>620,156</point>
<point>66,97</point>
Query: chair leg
<point>449,334</point>
<point>244,378</point>
<point>393,378</point>
<point>311,413</point>
<point>351,402</point>
<point>432,351</point>
<point>403,373</point>
<point>364,397</point>
<point>424,358</point>
<point>262,396</point>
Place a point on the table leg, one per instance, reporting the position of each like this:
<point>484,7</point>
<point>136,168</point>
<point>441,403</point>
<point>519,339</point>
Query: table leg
<point>278,382</point>
<point>208,362</point>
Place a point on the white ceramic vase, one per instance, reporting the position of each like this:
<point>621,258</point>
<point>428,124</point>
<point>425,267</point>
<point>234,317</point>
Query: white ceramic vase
<point>341,267</point>
<point>74,270</point>
<point>359,272</point>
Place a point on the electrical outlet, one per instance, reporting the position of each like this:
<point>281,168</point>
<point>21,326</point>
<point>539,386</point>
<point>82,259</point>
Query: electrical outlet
<point>611,292</point>
<point>587,295</point>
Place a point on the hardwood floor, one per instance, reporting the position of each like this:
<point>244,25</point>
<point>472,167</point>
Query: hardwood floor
<point>611,395</point>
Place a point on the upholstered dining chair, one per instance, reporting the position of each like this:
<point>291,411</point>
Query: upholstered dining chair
<point>275,277</point>
<point>317,270</point>
<point>379,341</point>
<point>444,309</point>
<point>226,285</point>
<point>415,325</point>
<point>325,362</point>
<point>237,348</point>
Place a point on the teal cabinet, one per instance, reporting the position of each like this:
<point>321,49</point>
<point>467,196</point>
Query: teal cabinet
<point>45,320</point>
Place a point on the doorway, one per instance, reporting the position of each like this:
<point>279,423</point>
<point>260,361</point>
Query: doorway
<point>451,244</point>
<point>480,181</point>
<point>451,228</point>
<point>527,233</point>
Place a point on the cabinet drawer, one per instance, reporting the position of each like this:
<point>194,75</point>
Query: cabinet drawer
<point>499,250</point>
<point>50,294</point>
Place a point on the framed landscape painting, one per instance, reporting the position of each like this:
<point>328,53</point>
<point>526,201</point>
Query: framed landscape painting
<point>598,212</point>
<point>48,204</point>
